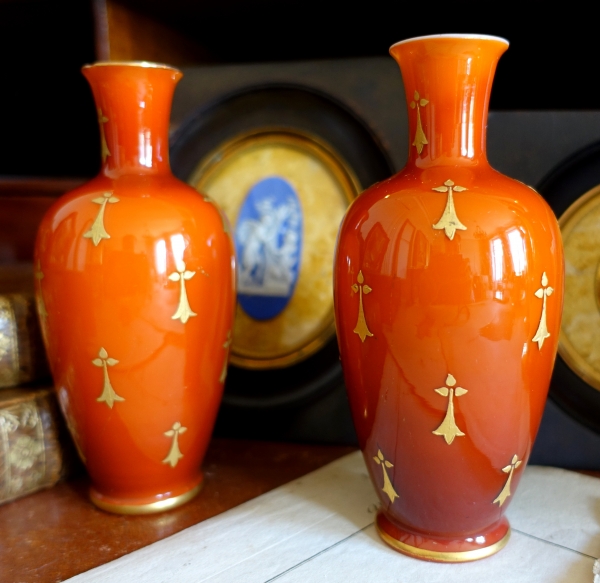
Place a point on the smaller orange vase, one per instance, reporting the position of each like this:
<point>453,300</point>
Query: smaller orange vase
<point>448,296</point>
<point>135,290</point>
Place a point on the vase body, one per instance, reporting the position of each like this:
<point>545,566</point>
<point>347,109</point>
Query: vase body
<point>448,295</point>
<point>135,290</point>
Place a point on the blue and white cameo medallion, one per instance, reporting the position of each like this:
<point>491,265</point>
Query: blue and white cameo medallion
<point>268,242</point>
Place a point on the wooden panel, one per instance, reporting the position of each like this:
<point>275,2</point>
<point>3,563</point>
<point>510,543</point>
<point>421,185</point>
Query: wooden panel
<point>56,534</point>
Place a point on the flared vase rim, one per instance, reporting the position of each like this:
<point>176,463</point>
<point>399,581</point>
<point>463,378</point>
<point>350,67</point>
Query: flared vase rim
<point>139,64</point>
<point>457,36</point>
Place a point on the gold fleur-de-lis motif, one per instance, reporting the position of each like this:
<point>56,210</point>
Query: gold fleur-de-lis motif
<point>449,221</point>
<point>97,232</point>
<point>41,305</point>
<point>514,464</point>
<point>8,421</point>
<point>542,293</point>
<point>361,327</point>
<point>102,119</point>
<point>108,396</point>
<point>448,428</point>
<point>420,139</point>
<point>226,346</point>
<point>174,454</point>
<point>184,311</point>
<point>388,488</point>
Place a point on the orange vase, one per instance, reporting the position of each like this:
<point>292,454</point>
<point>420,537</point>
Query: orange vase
<point>135,290</point>
<point>448,297</point>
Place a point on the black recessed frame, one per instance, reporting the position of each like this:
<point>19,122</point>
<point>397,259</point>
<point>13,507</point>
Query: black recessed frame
<point>304,110</point>
<point>561,188</point>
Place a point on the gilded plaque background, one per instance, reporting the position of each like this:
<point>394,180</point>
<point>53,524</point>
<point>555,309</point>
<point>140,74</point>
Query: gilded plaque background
<point>579,343</point>
<point>325,186</point>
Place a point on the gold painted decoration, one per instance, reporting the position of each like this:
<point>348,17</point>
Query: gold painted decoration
<point>40,298</point>
<point>97,231</point>
<point>443,556</point>
<point>361,327</point>
<point>184,311</point>
<point>226,346</point>
<point>102,119</point>
<point>448,428</point>
<point>174,454</point>
<point>420,140</point>
<point>505,493</point>
<point>542,293</point>
<point>449,221</point>
<point>388,487</point>
<point>108,396</point>
<point>150,508</point>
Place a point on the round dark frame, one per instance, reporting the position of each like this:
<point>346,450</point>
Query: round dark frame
<point>295,108</point>
<point>561,188</point>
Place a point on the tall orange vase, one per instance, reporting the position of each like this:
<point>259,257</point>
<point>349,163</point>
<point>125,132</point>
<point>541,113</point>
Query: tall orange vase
<point>135,290</point>
<point>448,298</point>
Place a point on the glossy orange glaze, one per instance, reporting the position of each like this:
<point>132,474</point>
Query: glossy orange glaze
<point>115,293</point>
<point>438,306</point>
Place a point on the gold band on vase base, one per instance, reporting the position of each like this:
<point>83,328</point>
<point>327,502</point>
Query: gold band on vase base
<point>441,556</point>
<point>151,508</point>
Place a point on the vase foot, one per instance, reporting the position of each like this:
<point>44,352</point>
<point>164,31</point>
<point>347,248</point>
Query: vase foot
<point>444,550</point>
<point>117,506</point>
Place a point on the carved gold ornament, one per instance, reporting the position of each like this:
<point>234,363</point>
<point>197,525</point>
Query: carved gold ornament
<point>97,231</point>
<point>40,298</point>
<point>388,488</point>
<point>449,221</point>
<point>174,454</point>
<point>102,119</point>
<point>24,452</point>
<point>448,428</point>
<point>420,139</point>
<point>184,311</point>
<point>361,327</point>
<point>23,449</point>
<point>108,396</point>
<point>514,464</point>
<point>226,346</point>
<point>542,293</point>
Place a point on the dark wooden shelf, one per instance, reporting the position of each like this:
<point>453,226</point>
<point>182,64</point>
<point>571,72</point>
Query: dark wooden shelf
<point>56,534</point>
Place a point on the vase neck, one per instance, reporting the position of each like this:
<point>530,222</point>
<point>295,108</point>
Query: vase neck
<point>133,103</point>
<point>448,80</point>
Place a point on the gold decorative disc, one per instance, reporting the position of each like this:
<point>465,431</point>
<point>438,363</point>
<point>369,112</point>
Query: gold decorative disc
<point>579,341</point>
<point>324,186</point>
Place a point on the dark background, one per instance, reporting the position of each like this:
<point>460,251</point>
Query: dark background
<point>48,119</point>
